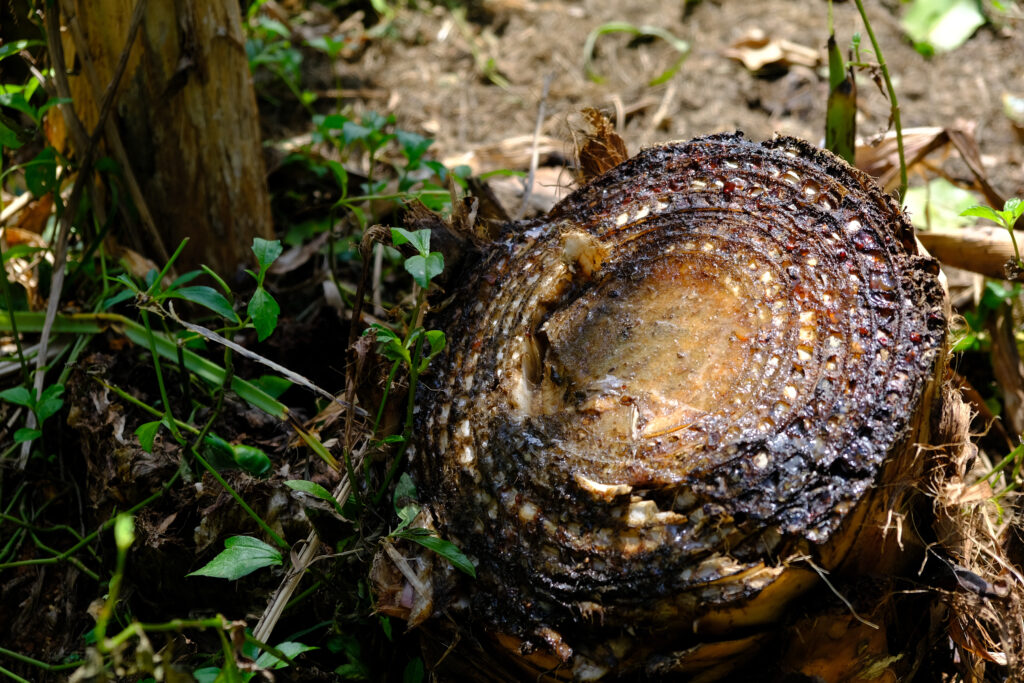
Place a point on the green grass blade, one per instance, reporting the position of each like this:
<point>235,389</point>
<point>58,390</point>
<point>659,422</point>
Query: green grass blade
<point>680,46</point>
<point>94,323</point>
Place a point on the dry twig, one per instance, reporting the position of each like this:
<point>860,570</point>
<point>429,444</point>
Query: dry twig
<point>535,153</point>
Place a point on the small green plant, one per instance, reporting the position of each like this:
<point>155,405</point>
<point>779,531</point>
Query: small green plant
<point>154,294</point>
<point>269,659</point>
<point>44,406</point>
<point>269,47</point>
<point>417,347</point>
<point>995,294</point>
<point>242,555</point>
<point>414,350</point>
<point>407,510</point>
<point>317,491</point>
<point>417,176</point>
<point>263,310</point>
<point>1012,210</point>
<point>881,69</point>
<point>678,44</point>
<point>425,265</point>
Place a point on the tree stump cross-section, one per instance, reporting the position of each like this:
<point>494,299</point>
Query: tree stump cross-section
<point>664,408</point>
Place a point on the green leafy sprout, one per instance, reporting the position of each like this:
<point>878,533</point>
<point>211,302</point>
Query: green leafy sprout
<point>1012,210</point>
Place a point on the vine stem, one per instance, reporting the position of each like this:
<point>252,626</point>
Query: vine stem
<point>893,101</point>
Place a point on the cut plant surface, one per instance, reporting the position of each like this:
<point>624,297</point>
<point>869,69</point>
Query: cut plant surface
<point>670,407</point>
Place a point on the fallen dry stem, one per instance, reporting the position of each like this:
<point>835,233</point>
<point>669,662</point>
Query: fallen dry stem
<point>535,148</point>
<point>271,615</point>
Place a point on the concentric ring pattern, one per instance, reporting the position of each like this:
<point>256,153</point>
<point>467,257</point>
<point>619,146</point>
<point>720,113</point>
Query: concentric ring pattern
<point>693,367</point>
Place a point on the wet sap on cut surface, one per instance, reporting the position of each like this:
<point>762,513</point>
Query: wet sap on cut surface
<point>654,355</point>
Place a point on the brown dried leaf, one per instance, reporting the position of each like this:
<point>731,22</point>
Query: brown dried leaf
<point>24,271</point>
<point>755,50</point>
<point>881,160</point>
<point>298,256</point>
<point>598,147</point>
<point>34,217</point>
<point>514,152</point>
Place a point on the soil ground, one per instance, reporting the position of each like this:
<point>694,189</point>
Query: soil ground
<point>435,76</point>
<point>475,77</point>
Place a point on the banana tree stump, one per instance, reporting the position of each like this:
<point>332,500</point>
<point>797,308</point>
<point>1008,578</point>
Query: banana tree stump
<point>671,406</point>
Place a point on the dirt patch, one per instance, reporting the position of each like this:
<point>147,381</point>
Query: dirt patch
<point>438,76</point>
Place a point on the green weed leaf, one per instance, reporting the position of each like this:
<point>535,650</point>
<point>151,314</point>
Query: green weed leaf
<point>980,211</point>
<point>146,434</point>
<point>425,269</point>
<point>327,126</point>
<point>16,46</point>
<point>352,131</point>
<point>316,490</point>
<point>219,452</point>
<point>413,146</point>
<point>230,673</point>
<point>355,668</point>
<point>8,138</point>
<point>25,434</point>
<point>391,346</point>
<point>242,555</point>
<point>376,121</point>
<point>219,445</point>
<point>207,674</point>
<point>14,96</point>
<point>436,340</point>
<point>414,671</point>
<point>41,172</point>
<point>209,298</point>
<point>185,278</point>
<point>327,44</point>
<point>289,649</point>
<point>404,501</point>
<point>942,25</point>
<point>112,301</point>
<point>49,402</point>
<point>266,252</point>
<point>264,311</point>
<point>19,396</point>
<point>405,488</point>
<point>420,240</point>
<point>124,531</point>
<point>273,385</point>
<point>442,547</point>
<point>406,515</point>
<point>251,459</point>
<point>1012,210</point>
<point>340,175</point>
